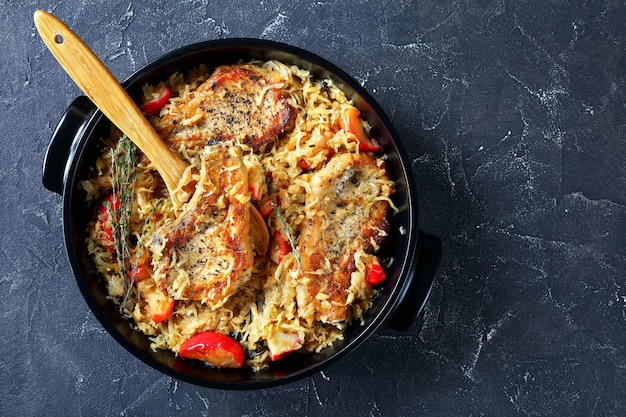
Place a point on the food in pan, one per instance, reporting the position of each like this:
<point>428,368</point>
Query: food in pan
<point>242,102</point>
<point>259,137</point>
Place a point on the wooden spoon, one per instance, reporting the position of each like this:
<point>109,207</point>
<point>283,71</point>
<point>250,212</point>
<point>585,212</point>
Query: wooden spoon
<point>97,82</point>
<point>90,74</point>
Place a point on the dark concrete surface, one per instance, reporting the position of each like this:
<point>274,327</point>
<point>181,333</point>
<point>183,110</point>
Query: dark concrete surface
<point>513,114</point>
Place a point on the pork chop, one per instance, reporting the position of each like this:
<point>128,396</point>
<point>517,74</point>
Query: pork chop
<point>243,103</point>
<point>206,253</point>
<point>346,218</point>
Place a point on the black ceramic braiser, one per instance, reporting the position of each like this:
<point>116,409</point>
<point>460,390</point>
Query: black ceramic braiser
<point>74,148</point>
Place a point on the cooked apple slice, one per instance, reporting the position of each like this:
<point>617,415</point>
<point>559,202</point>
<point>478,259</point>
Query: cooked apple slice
<point>214,348</point>
<point>159,305</point>
<point>283,341</point>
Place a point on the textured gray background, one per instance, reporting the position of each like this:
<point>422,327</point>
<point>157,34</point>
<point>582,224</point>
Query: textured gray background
<point>513,116</point>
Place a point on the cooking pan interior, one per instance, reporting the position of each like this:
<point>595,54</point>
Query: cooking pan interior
<point>399,252</point>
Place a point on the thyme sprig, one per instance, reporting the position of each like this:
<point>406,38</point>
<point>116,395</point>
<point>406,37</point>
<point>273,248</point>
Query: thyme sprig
<point>123,175</point>
<point>292,243</point>
<point>132,276</point>
<point>282,221</point>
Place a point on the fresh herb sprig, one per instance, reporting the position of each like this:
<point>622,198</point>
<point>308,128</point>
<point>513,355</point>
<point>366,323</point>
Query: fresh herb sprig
<point>123,175</point>
<point>130,283</point>
<point>285,228</point>
<point>282,221</point>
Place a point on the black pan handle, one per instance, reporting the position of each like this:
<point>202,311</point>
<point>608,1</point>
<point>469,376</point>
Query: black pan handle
<point>412,300</point>
<point>68,131</point>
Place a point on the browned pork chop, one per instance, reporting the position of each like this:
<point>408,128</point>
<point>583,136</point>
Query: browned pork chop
<point>346,218</point>
<point>243,103</point>
<point>207,252</point>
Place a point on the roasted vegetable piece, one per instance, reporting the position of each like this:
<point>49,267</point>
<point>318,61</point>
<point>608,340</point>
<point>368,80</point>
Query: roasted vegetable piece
<point>215,348</point>
<point>282,342</point>
<point>256,182</point>
<point>374,273</point>
<point>159,305</point>
<point>279,247</point>
<point>153,106</point>
<point>304,164</point>
<point>267,205</point>
<point>351,122</point>
<point>142,271</point>
<point>110,204</point>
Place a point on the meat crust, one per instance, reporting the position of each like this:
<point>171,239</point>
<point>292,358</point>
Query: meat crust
<point>345,220</point>
<point>242,103</point>
<point>207,253</point>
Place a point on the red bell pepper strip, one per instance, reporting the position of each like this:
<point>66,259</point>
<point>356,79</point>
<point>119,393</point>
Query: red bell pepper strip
<point>374,273</point>
<point>163,311</point>
<point>351,122</point>
<point>142,271</point>
<point>267,205</point>
<point>279,247</point>
<point>304,164</point>
<point>110,204</point>
<point>154,106</point>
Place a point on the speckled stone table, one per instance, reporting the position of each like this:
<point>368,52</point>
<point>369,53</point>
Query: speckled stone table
<point>513,115</point>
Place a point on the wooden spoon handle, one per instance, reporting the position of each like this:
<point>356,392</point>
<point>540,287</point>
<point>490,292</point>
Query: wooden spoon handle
<point>105,91</point>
